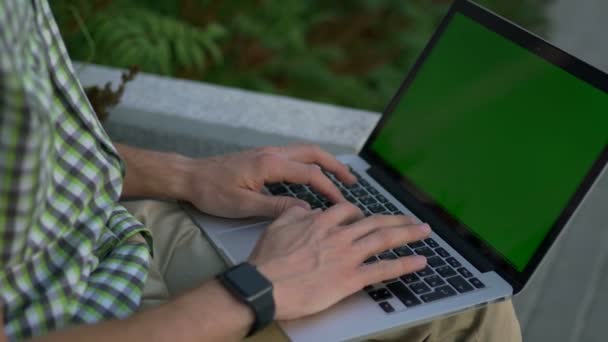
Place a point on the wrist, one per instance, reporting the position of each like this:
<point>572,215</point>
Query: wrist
<point>155,174</point>
<point>185,169</point>
<point>222,316</point>
<point>242,315</point>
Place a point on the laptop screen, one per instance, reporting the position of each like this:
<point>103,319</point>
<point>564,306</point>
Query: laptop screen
<point>498,137</point>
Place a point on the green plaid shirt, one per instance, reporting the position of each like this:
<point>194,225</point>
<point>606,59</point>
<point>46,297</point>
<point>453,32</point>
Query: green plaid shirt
<point>65,253</point>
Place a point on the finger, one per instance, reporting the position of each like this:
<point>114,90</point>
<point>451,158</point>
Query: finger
<point>382,239</point>
<point>305,153</point>
<point>284,170</point>
<point>364,227</point>
<point>389,269</point>
<point>258,204</point>
<point>339,214</point>
<point>294,214</point>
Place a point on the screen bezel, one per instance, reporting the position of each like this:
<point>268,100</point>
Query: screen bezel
<point>549,53</point>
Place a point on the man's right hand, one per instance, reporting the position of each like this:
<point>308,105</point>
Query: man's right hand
<point>315,259</point>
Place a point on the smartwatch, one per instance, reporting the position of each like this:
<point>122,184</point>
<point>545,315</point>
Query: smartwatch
<point>251,287</point>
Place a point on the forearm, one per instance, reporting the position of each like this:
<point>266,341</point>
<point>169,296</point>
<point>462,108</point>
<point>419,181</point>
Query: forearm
<point>208,313</point>
<point>154,174</point>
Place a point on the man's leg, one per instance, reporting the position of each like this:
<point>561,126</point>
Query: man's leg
<point>184,258</point>
<point>496,322</point>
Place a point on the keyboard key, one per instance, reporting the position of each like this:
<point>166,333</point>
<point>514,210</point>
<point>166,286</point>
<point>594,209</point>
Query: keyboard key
<point>316,204</point>
<point>435,261</point>
<point>409,278</point>
<point>397,212</point>
<point>403,251</point>
<point>425,272</point>
<point>359,192</point>
<point>390,206</point>
<point>367,200</point>
<point>352,186</point>
<point>368,288</point>
<point>427,252</point>
<point>388,308</point>
<point>306,197</point>
<point>380,294</point>
<point>376,208</point>
<point>390,280</point>
<point>432,243</point>
<point>372,190</point>
<point>371,260</point>
<point>367,213</point>
<point>460,284</point>
<point>388,255</point>
<point>453,262</point>
<point>434,281</point>
<point>277,189</point>
<point>405,295</point>
<point>420,287</point>
<point>446,271</point>
<point>416,244</point>
<point>477,283</point>
<point>442,252</point>
<point>465,273</point>
<point>363,183</point>
<point>350,198</point>
<point>297,188</point>
<point>381,198</point>
<point>439,293</point>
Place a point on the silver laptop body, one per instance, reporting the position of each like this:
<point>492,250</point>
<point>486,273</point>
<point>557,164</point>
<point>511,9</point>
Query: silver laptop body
<point>359,316</point>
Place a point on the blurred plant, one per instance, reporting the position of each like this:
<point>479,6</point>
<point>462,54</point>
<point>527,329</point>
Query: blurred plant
<point>127,33</point>
<point>104,99</point>
<point>353,53</point>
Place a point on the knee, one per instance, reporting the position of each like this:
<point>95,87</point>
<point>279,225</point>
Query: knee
<point>497,322</point>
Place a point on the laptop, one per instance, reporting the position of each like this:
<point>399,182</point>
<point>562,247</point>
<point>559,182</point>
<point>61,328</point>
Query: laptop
<point>494,138</point>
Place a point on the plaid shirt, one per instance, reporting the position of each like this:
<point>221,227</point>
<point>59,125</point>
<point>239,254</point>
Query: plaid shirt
<point>66,256</point>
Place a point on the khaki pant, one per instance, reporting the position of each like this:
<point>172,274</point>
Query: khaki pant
<point>183,258</point>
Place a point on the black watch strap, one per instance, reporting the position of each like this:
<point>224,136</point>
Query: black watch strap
<point>251,287</point>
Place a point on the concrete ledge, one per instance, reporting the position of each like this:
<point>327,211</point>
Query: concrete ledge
<point>167,113</point>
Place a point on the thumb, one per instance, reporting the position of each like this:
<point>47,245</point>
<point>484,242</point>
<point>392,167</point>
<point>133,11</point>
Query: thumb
<point>272,206</point>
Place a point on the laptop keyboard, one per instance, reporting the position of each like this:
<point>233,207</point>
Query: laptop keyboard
<point>362,194</point>
<point>443,277</point>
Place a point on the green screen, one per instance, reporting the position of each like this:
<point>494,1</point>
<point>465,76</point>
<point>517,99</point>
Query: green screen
<point>498,137</point>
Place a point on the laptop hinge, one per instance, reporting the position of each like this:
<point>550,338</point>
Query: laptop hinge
<point>463,247</point>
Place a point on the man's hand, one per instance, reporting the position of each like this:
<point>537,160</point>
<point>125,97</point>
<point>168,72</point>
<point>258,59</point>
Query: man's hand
<point>314,259</point>
<point>231,186</point>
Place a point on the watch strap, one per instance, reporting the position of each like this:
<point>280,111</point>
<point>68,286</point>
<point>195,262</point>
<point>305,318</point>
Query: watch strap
<point>261,303</point>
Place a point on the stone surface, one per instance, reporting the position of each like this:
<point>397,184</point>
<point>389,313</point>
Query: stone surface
<point>162,107</point>
<point>579,27</point>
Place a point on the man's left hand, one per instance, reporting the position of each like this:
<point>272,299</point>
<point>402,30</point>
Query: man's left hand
<point>231,185</point>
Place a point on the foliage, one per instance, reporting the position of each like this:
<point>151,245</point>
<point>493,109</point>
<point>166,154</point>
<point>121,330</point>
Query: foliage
<point>104,99</point>
<point>351,53</point>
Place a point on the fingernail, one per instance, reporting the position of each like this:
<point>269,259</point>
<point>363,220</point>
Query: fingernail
<point>424,228</point>
<point>304,205</point>
<point>418,261</point>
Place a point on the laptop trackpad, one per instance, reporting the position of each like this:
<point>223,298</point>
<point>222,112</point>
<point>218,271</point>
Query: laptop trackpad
<point>239,243</point>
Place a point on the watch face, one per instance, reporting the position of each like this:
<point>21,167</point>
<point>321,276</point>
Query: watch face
<point>250,282</point>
